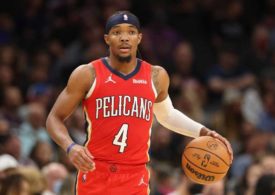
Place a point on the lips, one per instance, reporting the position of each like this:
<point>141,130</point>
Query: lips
<point>124,48</point>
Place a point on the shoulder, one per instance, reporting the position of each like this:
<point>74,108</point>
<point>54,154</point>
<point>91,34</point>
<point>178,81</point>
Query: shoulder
<point>158,73</point>
<point>84,70</point>
<point>156,69</point>
<point>82,77</point>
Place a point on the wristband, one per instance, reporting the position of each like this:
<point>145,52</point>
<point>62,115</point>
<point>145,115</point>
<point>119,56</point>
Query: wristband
<point>70,147</point>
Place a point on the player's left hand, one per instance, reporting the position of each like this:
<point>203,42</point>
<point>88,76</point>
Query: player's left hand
<point>207,132</point>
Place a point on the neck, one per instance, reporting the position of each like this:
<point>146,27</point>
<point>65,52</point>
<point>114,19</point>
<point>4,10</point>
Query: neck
<point>123,67</point>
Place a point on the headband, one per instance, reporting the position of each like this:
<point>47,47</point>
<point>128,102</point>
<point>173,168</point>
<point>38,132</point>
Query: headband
<point>121,18</point>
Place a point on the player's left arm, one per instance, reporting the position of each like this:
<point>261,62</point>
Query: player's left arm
<point>172,118</point>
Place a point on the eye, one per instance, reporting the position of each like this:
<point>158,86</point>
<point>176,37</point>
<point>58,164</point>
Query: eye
<point>116,32</point>
<point>132,32</point>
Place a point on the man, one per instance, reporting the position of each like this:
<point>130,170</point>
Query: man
<point>119,94</point>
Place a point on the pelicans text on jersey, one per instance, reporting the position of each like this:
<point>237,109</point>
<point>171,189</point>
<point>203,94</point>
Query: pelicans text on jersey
<point>119,113</point>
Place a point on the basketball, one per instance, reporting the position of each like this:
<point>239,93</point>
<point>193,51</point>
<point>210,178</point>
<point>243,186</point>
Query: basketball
<point>205,160</point>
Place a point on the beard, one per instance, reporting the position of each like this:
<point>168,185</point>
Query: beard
<point>124,59</point>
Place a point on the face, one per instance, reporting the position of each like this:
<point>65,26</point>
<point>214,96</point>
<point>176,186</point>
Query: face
<point>254,173</point>
<point>20,188</point>
<point>25,188</point>
<point>268,163</point>
<point>43,153</point>
<point>123,40</point>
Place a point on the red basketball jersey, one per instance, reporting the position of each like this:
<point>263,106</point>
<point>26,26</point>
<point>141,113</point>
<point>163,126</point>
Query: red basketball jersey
<point>119,112</point>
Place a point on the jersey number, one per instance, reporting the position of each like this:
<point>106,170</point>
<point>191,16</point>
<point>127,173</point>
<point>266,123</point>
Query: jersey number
<point>121,137</point>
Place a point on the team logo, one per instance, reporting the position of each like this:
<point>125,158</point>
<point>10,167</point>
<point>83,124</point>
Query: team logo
<point>212,145</point>
<point>84,178</point>
<point>142,182</point>
<point>109,79</point>
<point>125,17</point>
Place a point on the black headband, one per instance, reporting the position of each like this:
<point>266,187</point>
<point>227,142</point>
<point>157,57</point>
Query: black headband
<point>121,18</point>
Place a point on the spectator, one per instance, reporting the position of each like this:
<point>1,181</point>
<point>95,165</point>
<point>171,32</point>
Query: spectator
<point>76,127</point>
<point>266,121</point>
<point>227,74</point>
<point>35,179</point>
<point>42,154</point>
<point>229,117</point>
<point>6,162</point>
<point>67,187</point>
<point>15,184</point>
<point>55,174</point>
<point>256,56</point>
<point>161,144</point>
<point>12,101</point>
<point>265,185</point>
<point>249,180</point>
<point>185,84</point>
<point>217,188</point>
<point>268,164</point>
<point>33,129</point>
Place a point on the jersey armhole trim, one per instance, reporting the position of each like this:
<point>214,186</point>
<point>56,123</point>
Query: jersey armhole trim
<point>91,89</point>
<point>154,89</point>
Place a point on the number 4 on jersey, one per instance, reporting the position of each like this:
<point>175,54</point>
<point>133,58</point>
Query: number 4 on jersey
<point>121,137</point>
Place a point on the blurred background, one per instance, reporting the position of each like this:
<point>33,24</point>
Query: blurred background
<point>220,55</point>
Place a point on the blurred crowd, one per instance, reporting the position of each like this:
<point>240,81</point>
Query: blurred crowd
<point>220,55</point>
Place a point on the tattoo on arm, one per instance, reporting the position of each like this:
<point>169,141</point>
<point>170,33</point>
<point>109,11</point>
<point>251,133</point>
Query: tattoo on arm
<point>155,74</point>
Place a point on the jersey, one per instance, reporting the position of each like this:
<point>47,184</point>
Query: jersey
<point>119,112</point>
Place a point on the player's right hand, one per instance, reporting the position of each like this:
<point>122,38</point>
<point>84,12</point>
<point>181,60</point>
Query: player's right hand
<point>81,158</point>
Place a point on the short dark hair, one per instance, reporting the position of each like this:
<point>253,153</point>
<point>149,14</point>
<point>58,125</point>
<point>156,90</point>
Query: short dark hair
<point>265,185</point>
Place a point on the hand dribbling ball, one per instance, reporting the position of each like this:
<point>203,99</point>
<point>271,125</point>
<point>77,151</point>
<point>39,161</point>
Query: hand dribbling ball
<point>205,160</point>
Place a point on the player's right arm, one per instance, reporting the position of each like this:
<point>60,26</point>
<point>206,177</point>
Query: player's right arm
<point>77,87</point>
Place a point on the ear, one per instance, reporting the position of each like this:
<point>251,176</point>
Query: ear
<point>106,38</point>
<point>139,37</point>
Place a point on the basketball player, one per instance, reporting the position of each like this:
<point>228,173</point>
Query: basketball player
<point>119,94</point>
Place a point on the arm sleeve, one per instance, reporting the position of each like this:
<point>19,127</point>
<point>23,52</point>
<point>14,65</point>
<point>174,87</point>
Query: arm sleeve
<point>175,120</point>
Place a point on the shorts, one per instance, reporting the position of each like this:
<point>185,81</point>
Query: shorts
<point>113,179</point>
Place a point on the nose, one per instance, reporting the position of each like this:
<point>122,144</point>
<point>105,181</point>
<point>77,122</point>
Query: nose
<point>124,37</point>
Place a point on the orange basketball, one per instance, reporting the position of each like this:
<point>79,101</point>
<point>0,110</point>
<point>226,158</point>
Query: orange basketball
<point>205,160</point>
